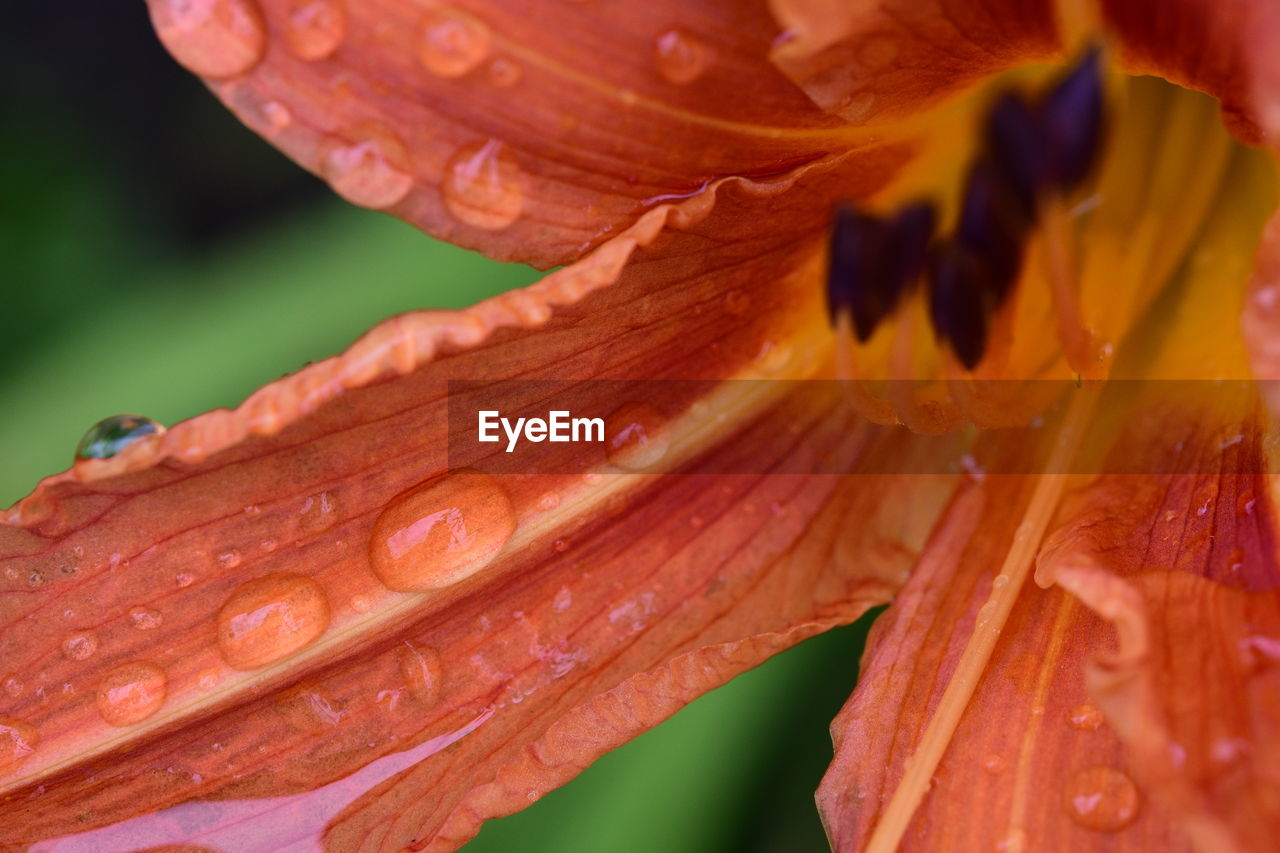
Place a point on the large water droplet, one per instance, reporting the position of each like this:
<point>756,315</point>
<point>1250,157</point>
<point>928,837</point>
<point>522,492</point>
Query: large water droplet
<point>18,739</point>
<point>131,692</point>
<point>441,532</point>
<point>453,44</point>
<point>422,670</point>
<point>315,28</point>
<point>1101,798</point>
<point>681,57</point>
<point>80,646</point>
<point>636,436</point>
<point>369,167</point>
<point>213,38</point>
<point>270,618</point>
<point>483,186</point>
<point>110,435</point>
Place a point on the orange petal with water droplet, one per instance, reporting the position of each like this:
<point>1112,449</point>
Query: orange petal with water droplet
<point>516,132</point>
<point>327,677</point>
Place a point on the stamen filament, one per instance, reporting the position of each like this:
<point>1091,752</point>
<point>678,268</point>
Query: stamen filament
<point>1079,344</point>
<point>906,798</point>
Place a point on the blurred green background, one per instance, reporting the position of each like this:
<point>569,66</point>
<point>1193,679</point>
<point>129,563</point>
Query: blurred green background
<point>160,259</point>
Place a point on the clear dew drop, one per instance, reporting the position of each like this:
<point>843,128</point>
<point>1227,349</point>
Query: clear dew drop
<point>680,56</point>
<point>184,579</point>
<point>80,645</point>
<point>483,186</point>
<point>315,28</point>
<point>368,166</point>
<point>12,686</point>
<point>1101,798</point>
<point>993,764</point>
<point>636,436</point>
<point>422,670</point>
<point>213,38</point>
<point>110,435</point>
<point>270,618</point>
<point>453,44</point>
<point>441,532</point>
<point>504,73</point>
<point>18,739</point>
<point>318,513</point>
<point>131,692</point>
<point>229,559</point>
<point>1085,717</point>
<point>145,618</point>
<point>276,115</point>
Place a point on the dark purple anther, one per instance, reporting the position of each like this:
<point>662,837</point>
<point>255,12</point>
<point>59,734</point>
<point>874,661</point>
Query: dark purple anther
<point>1017,146</point>
<point>959,301</point>
<point>873,262</point>
<point>993,226</point>
<point>1071,117</point>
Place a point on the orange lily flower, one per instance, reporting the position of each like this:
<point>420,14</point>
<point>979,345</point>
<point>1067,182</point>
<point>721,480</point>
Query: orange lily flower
<point>482,633</point>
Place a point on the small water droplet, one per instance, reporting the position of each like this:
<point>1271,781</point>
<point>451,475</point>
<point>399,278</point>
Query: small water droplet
<point>318,513</point>
<point>110,435</point>
<point>308,709</point>
<point>80,646</point>
<point>993,764</point>
<point>368,166</point>
<point>12,686</point>
<point>548,501</point>
<point>131,692</point>
<point>184,579</point>
<point>18,739</point>
<point>1085,717</point>
<point>636,436</point>
<point>421,668</point>
<point>229,559</point>
<point>207,679</point>
<point>483,186</point>
<point>773,357</point>
<point>1170,515</point>
<point>1245,503</point>
<point>144,618</point>
<point>560,546</point>
<point>315,28</point>
<point>1014,841</point>
<point>1000,581</point>
<point>680,56</point>
<point>737,301</point>
<point>270,618</point>
<point>1235,560</point>
<point>563,598</point>
<point>213,38</point>
<point>277,115</point>
<point>441,532</point>
<point>1101,798</point>
<point>505,73</point>
<point>360,604</point>
<point>453,44</point>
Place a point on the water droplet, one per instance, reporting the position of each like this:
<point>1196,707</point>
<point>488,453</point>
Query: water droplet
<point>1245,503</point>
<point>18,739</point>
<point>360,604</point>
<point>315,28</point>
<point>109,436</point>
<point>368,167</point>
<point>131,692</point>
<point>208,679</point>
<point>1000,581</point>
<point>453,44</point>
<point>441,532</point>
<point>80,646</point>
<point>1170,515</point>
<point>736,302</point>
<point>251,103</point>
<point>773,357</point>
<point>560,546</point>
<point>548,501</point>
<point>563,598</point>
<point>1085,717</point>
<point>184,579</point>
<point>229,559</point>
<point>270,618</point>
<point>636,436</point>
<point>1101,798</point>
<point>144,618</point>
<point>1235,560</point>
<point>483,186</point>
<point>12,685</point>
<point>422,670</point>
<point>993,764</point>
<point>277,115</point>
<point>308,709</point>
<point>1014,841</point>
<point>318,513</point>
<point>681,57</point>
<point>213,38</point>
<point>505,73</point>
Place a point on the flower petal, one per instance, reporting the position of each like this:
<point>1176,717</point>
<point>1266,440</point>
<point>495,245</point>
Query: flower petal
<point>513,131</point>
<point>228,635</point>
<point>870,62</point>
